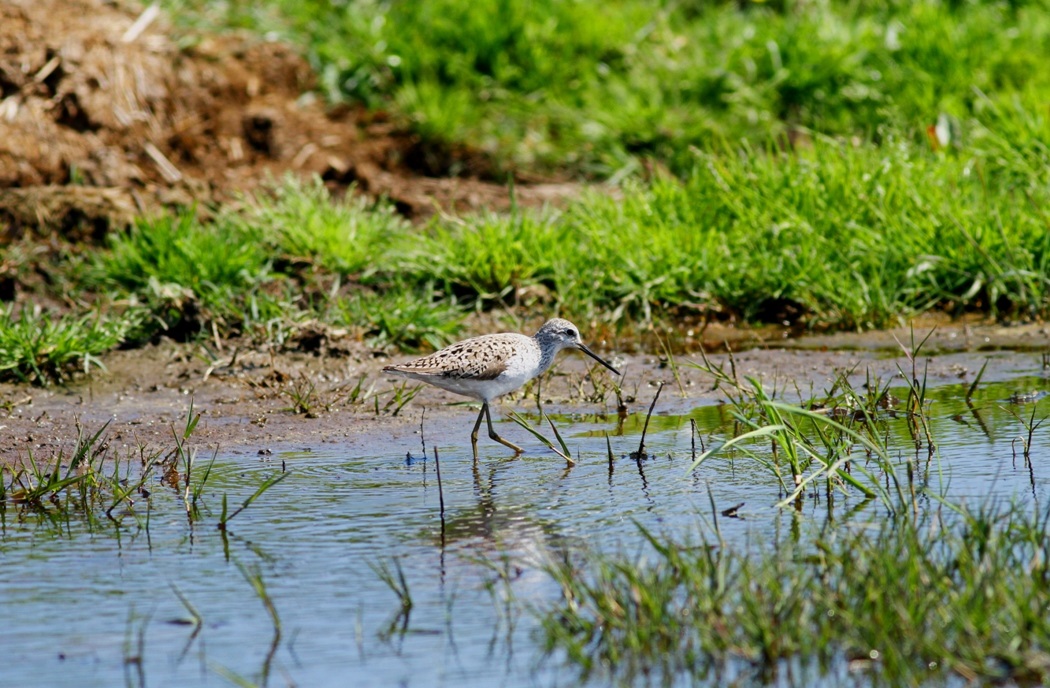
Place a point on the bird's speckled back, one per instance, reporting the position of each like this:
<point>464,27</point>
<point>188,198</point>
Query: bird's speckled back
<point>491,365</point>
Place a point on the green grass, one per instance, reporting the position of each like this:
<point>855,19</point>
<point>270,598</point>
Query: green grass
<point>913,600</point>
<point>97,481</point>
<point>917,178</point>
<point>89,484</point>
<point>915,592</point>
<point>834,236</point>
<point>489,258</point>
<point>298,222</point>
<point>187,274</point>
<point>285,256</point>
<point>401,316</point>
<point>41,347</point>
<point>204,259</point>
<point>849,237</point>
<point>838,443</point>
<point>593,86</point>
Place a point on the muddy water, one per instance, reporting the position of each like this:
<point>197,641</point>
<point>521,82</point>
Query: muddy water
<point>97,605</point>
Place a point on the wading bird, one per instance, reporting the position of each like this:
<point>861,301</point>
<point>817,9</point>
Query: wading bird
<point>491,365</point>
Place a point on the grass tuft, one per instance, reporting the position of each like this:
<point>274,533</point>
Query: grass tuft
<point>40,347</point>
<point>938,596</point>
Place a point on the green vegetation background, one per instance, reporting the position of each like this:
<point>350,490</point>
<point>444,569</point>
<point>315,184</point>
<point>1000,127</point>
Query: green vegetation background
<point>841,165</point>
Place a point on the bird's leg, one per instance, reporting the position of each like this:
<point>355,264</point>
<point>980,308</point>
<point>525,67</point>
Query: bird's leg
<point>493,435</point>
<point>477,426</point>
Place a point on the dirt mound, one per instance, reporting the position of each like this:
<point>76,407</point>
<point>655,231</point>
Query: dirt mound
<point>102,94</point>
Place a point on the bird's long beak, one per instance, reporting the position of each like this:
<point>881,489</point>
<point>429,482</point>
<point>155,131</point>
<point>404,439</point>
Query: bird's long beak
<point>584,349</point>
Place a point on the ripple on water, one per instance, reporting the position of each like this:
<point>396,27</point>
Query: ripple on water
<point>319,538</point>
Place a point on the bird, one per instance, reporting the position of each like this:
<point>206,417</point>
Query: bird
<point>489,366</point>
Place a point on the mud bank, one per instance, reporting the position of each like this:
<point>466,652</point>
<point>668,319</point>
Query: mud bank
<point>257,401</point>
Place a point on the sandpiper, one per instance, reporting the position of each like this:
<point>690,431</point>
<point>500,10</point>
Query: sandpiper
<point>491,365</point>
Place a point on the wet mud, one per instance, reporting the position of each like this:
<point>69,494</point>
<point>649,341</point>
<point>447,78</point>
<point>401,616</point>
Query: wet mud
<point>254,401</point>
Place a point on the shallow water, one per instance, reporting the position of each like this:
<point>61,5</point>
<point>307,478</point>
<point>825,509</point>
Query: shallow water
<point>97,605</point>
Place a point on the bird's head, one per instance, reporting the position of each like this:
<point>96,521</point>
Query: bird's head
<point>562,334</point>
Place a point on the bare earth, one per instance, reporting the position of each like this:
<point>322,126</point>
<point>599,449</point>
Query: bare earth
<point>246,398</point>
<point>108,112</point>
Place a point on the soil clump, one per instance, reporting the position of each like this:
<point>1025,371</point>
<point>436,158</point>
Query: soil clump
<point>107,113</point>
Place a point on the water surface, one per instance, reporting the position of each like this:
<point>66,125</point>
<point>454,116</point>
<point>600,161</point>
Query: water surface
<point>96,605</point>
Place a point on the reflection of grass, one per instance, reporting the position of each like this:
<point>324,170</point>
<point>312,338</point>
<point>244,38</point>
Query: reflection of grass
<point>910,599</point>
<point>394,578</point>
<point>253,575</point>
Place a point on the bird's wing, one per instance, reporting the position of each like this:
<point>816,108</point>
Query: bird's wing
<point>476,359</point>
